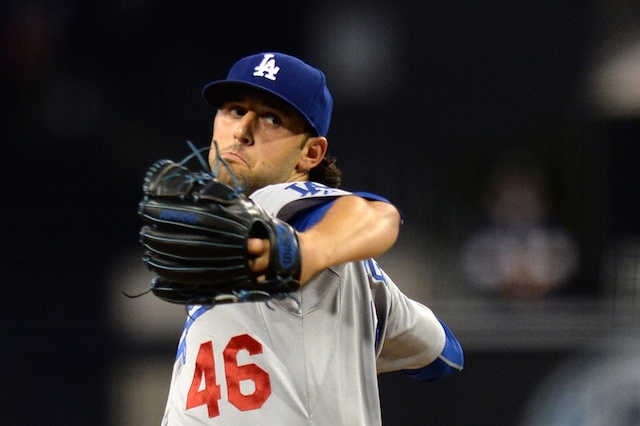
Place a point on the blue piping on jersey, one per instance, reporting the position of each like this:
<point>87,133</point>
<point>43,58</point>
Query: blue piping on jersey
<point>182,346</point>
<point>450,360</point>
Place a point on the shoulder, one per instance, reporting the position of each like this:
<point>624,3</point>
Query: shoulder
<point>286,199</point>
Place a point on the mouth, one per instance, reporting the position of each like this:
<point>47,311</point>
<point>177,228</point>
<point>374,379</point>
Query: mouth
<point>232,157</point>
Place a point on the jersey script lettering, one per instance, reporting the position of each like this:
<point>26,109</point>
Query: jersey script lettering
<point>310,188</point>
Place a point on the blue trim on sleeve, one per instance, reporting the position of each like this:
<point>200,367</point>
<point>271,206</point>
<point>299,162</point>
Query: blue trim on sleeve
<point>305,219</point>
<point>450,361</point>
<point>370,196</point>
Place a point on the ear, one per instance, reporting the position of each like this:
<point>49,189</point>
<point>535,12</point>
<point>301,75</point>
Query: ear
<point>312,154</point>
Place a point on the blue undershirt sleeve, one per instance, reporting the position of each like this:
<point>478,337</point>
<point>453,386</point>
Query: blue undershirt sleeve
<point>305,219</point>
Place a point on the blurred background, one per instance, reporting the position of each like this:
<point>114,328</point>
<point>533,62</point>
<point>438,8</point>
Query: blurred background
<point>506,131</point>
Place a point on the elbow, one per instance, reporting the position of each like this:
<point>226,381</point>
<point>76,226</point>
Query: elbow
<point>391,217</point>
<point>450,360</point>
<point>395,217</point>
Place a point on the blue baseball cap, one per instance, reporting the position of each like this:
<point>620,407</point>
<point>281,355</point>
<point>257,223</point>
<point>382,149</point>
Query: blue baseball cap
<point>290,79</point>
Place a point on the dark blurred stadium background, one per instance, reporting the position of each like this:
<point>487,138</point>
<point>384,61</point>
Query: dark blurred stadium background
<point>428,95</point>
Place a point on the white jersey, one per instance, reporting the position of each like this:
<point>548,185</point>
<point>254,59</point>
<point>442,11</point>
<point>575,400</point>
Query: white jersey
<point>309,360</point>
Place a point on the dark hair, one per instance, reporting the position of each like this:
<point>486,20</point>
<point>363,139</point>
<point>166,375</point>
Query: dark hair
<point>327,172</point>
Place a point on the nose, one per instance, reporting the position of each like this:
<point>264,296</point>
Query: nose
<point>244,130</point>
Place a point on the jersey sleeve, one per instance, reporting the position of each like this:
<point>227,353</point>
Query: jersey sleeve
<point>450,360</point>
<point>410,336</point>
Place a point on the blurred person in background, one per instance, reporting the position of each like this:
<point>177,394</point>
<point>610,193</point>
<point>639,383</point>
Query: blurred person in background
<point>519,252</point>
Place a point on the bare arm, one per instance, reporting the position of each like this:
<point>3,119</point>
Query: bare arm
<point>353,229</point>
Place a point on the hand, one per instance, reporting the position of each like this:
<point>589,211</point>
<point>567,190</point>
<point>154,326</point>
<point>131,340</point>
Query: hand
<point>258,250</point>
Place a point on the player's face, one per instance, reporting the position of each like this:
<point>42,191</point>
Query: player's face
<point>261,138</point>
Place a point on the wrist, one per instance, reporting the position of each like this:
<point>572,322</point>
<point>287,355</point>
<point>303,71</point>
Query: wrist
<point>314,256</point>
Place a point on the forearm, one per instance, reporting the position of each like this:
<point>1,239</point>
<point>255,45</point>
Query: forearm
<point>353,229</point>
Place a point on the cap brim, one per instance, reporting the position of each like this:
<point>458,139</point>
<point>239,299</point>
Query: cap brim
<point>218,91</point>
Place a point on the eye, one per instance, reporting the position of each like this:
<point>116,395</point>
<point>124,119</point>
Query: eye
<point>272,119</point>
<point>236,110</point>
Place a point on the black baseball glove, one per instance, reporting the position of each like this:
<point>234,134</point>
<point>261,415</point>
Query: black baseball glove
<point>195,237</point>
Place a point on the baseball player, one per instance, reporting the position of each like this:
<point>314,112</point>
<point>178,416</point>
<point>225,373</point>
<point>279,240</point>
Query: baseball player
<point>312,358</point>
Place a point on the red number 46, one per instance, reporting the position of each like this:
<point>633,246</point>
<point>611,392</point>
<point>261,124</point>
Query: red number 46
<point>209,394</point>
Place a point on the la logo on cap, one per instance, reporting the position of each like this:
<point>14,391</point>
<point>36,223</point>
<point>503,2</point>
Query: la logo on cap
<point>267,67</point>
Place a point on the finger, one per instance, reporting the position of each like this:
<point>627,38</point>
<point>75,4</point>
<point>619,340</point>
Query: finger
<point>257,246</point>
<point>258,249</point>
